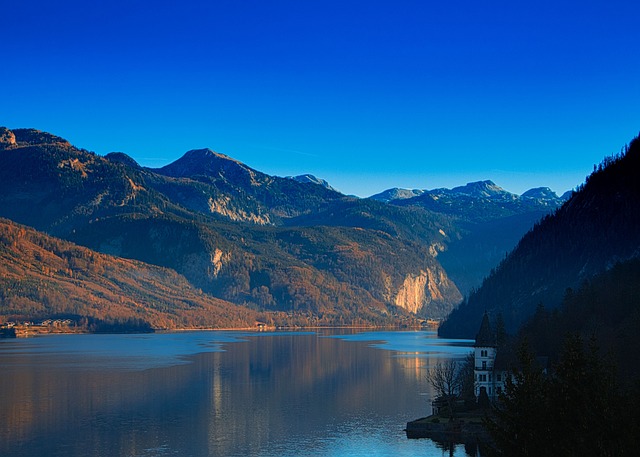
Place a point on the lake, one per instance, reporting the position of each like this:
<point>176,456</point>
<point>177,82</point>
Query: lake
<point>220,393</point>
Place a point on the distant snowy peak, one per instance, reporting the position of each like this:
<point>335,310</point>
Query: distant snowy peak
<point>397,194</point>
<point>487,190</point>
<point>482,189</point>
<point>567,195</point>
<point>310,179</point>
<point>546,195</point>
<point>541,193</point>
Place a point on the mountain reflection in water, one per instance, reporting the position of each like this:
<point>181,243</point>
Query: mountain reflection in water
<point>219,394</point>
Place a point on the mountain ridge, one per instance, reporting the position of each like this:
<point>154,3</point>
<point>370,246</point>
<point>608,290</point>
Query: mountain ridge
<point>266,242</point>
<point>232,232</point>
<point>485,189</point>
<point>490,219</point>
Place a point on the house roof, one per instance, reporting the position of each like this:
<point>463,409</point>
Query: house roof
<point>485,336</point>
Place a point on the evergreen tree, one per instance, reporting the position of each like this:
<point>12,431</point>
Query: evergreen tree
<point>577,410</point>
<point>519,425</point>
<point>585,403</point>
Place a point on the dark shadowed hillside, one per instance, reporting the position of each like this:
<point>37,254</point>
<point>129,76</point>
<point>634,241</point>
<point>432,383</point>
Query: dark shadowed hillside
<point>597,228</point>
<point>605,308</point>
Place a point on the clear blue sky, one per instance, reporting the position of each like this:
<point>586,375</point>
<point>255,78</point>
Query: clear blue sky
<point>366,94</point>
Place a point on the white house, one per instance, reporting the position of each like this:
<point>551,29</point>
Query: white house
<point>489,376</point>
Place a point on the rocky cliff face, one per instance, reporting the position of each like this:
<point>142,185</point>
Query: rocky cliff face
<point>413,292</point>
<point>430,293</point>
<point>223,206</point>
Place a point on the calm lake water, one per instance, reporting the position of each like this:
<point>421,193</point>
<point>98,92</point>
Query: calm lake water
<point>278,394</point>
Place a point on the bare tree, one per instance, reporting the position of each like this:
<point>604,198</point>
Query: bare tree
<point>466,375</point>
<point>446,380</point>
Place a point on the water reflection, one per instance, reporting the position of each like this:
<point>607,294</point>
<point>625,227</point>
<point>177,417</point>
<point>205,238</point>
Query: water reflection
<point>217,393</point>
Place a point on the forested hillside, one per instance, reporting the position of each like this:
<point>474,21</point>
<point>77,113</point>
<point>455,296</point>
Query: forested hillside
<point>43,277</point>
<point>597,228</point>
<point>606,309</point>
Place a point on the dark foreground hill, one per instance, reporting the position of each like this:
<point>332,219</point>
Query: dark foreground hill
<point>596,229</point>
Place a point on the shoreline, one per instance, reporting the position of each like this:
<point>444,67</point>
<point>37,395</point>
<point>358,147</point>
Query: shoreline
<point>28,331</point>
<point>467,430</point>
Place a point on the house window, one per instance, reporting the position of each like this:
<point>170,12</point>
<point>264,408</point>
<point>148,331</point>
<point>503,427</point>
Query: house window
<point>484,364</point>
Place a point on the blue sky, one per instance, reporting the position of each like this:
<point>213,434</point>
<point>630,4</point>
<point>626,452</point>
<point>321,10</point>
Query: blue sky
<point>365,94</point>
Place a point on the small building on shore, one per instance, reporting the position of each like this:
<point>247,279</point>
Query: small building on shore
<point>494,363</point>
<point>489,373</point>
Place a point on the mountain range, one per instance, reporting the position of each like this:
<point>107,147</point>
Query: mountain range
<point>286,246</point>
<point>490,220</point>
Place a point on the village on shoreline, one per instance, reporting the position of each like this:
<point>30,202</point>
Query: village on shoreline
<point>26,329</point>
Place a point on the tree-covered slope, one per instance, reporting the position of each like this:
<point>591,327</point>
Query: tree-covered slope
<point>605,308</point>
<point>598,227</point>
<point>43,277</point>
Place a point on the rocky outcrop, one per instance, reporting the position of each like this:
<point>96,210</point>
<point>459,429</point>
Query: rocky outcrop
<point>218,259</point>
<point>222,206</point>
<point>412,294</point>
<point>7,137</point>
<point>430,292</point>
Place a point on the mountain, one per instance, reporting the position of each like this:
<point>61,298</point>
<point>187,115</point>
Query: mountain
<point>597,228</point>
<point>482,189</point>
<point>310,179</point>
<point>479,193</point>
<point>482,201</point>
<point>42,276</point>
<point>121,157</point>
<point>541,194</point>
<point>490,220</point>
<point>205,181</point>
<point>396,194</point>
<point>265,242</point>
